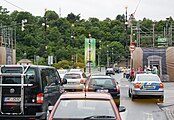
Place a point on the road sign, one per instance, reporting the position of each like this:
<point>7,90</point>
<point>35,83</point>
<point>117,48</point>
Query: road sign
<point>132,48</point>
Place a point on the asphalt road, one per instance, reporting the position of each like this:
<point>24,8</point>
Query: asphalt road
<point>143,108</point>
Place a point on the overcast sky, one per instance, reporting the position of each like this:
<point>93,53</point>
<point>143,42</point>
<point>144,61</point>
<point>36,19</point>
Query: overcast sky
<point>101,9</point>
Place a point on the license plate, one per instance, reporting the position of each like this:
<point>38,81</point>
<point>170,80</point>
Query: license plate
<point>102,90</point>
<point>150,86</point>
<point>12,99</point>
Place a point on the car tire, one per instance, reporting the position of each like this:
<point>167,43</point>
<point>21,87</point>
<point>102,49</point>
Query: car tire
<point>132,97</point>
<point>161,99</point>
<point>129,93</point>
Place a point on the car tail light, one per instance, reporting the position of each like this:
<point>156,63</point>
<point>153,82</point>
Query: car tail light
<point>117,87</point>
<point>82,81</point>
<point>39,98</point>
<point>161,85</point>
<point>136,85</point>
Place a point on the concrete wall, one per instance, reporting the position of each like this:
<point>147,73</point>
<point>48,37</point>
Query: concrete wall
<point>137,58</point>
<point>170,62</point>
<point>2,55</point>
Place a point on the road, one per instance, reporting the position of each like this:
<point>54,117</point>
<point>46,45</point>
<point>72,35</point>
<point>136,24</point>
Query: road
<point>145,109</point>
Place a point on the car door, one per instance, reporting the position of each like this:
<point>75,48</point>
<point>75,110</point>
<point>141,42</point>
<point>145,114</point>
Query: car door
<point>51,84</point>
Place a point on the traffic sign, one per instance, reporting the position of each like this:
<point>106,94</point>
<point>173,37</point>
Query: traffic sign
<point>132,48</point>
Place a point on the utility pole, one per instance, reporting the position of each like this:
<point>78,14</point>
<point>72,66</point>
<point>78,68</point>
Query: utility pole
<point>153,35</point>
<point>89,61</point>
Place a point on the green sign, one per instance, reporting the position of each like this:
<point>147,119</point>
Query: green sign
<point>90,51</point>
<point>162,42</point>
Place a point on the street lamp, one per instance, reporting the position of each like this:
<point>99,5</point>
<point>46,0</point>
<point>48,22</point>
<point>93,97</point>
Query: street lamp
<point>73,44</point>
<point>89,61</point>
<point>99,56</point>
<point>126,24</point>
<point>107,57</point>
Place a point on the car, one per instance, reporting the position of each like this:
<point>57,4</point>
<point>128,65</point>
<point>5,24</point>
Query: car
<point>110,71</point>
<point>62,72</point>
<point>116,69</point>
<point>85,106</point>
<point>146,85</point>
<point>104,83</point>
<point>75,70</point>
<point>27,91</point>
<point>75,81</point>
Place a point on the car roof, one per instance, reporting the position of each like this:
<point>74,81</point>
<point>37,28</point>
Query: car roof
<point>144,74</point>
<point>80,95</point>
<point>100,76</point>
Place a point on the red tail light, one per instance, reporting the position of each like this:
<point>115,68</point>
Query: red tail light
<point>161,85</point>
<point>82,81</point>
<point>39,98</point>
<point>136,85</point>
<point>117,87</point>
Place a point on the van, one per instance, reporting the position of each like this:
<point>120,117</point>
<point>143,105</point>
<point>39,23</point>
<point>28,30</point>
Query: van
<point>27,91</point>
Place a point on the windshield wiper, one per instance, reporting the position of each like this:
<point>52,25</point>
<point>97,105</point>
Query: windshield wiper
<point>99,117</point>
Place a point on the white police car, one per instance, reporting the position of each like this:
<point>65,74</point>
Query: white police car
<point>146,85</point>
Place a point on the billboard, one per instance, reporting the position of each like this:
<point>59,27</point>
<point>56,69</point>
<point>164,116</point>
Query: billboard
<point>90,51</point>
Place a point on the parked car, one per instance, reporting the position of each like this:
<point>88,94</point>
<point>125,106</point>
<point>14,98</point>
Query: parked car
<point>146,85</point>
<point>104,83</point>
<point>110,71</point>
<point>75,81</point>
<point>85,106</point>
<point>27,91</point>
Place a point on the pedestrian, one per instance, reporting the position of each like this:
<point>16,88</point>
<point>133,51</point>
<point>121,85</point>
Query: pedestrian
<point>132,73</point>
<point>124,72</point>
<point>128,72</point>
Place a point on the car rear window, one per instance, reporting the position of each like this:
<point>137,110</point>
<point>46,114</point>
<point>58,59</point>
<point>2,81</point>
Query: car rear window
<point>148,78</point>
<point>72,76</point>
<point>102,81</point>
<point>83,108</point>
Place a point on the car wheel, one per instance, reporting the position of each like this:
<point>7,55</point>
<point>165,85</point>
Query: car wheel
<point>129,93</point>
<point>161,99</point>
<point>132,97</point>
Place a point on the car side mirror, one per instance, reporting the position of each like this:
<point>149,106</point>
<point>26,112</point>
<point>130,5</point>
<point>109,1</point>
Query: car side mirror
<point>64,81</point>
<point>122,109</point>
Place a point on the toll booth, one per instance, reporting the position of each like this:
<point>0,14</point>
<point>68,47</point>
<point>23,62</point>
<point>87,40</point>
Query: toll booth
<point>7,45</point>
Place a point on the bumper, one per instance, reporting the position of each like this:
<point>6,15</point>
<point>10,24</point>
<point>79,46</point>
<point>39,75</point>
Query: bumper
<point>148,93</point>
<point>31,111</point>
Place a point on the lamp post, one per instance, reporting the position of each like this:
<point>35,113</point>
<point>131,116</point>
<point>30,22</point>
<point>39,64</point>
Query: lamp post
<point>73,44</point>
<point>107,57</point>
<point>89,61</point>
<point>126,24</point>
<point>99,56</point>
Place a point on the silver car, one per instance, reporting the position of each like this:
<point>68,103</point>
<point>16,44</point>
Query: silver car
<point>146,85</point>
<point>75,81</point>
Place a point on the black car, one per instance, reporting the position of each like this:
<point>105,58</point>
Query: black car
<point>104,83</point>
<point>27,91</point>
<point>116,69</point>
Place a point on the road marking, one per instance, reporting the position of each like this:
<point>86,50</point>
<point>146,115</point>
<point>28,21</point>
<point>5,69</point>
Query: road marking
<point>148,116</point>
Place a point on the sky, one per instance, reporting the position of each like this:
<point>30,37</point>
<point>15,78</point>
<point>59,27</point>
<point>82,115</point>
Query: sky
<point>152,9</point>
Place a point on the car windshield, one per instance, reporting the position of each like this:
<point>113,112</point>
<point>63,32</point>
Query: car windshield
<point>147,78</point>
<point>109,68</point>
<point>72,76</point>
<point>82,108</point>
<point>102,82</point>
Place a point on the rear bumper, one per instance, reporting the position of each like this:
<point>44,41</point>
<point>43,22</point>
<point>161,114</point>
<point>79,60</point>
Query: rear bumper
<point>148,93</point>
<point>30,111</point>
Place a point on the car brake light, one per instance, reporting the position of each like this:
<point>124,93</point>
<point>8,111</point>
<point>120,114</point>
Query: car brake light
<point>39,98</point>
<point>136,85</point>
<point>117,87</point>
<point>82,81</point>
<point>161,85</point>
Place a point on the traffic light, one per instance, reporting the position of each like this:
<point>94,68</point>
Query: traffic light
<point>23,24</point>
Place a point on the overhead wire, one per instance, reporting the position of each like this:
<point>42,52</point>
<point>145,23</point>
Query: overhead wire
<point>14,5</point>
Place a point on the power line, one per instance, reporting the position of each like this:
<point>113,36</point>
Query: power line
<point>14,5</point>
